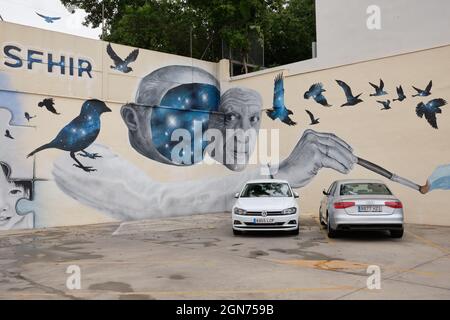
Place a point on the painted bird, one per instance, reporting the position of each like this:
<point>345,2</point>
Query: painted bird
<point>47,18</point>
<point>28,117</point>
<point>279,109</point>
<point>400,94</point>
<point>351,100</point>
<point>311,116</point>
<point>315,91</point>
<point>119,64</point>
<point>423,93</point>
<point>378,89</point>
<point>80,133</point>
<point>386,104</point>
<point>8,134</point>
<point>430,109</point>
<point>49,104</point>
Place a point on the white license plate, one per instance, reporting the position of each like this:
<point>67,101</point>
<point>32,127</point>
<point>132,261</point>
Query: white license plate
<point>369,208</point>
<point>263,220</point>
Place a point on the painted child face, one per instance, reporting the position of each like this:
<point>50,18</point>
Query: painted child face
<point>9,195</point>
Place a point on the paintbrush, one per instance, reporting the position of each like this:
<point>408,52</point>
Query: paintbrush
<point>392,176</point>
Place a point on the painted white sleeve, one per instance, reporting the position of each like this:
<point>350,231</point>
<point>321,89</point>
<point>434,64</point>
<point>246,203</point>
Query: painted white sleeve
<point>125,192</point>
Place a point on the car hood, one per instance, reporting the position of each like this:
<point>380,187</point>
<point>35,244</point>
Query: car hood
<point>265,203</point>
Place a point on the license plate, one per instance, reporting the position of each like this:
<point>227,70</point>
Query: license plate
<point>369,208</point>
<point>263,220</point>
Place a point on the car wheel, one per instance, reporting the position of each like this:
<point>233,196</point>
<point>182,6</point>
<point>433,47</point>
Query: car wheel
<point>396,233</point>
<point>330,231</point>
<point>296,231</point>
<point>237,232</point>
<point>323,224</point>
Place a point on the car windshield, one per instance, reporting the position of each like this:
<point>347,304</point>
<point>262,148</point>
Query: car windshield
<point>256,190</point>
<point>364,188</point>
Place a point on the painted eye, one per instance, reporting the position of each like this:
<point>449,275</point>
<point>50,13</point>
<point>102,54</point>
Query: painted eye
<point>230,117</point>
<point>15,192</point>
<point>254,119</point>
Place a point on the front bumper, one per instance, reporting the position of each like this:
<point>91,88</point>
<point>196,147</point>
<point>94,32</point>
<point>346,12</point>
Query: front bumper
<point>280,223</point>
<point>343,221</point>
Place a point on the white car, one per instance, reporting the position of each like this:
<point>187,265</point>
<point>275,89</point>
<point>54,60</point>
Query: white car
<point>266,205</point>
<point>361,205</point>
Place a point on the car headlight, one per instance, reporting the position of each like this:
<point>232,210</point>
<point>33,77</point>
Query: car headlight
<point>290,210</point>
<point>240,211</point>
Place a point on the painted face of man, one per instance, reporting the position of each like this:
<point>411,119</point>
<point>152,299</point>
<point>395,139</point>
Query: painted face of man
<point>10,193</point>
<point>239,125</point>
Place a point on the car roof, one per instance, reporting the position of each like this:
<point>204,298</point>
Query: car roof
<point>344,181</point>
<point>267,181</point>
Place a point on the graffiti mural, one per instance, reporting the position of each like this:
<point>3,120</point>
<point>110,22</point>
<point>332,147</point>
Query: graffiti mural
<point>119,63</point>
<point>279,110</point>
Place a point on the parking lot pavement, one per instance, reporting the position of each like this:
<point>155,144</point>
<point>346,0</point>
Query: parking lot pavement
<point>199,258</point>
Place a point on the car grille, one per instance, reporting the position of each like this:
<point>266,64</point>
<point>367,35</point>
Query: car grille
<point>269,213</point>
<point>267,225</point>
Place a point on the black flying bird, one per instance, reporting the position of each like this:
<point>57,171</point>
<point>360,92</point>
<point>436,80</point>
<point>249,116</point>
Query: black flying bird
<point>49,104</point>
<point>28,117</point>
<point>351,100</point>
<point>423,93</point>
<point>8,134</point>
<point>80,133</point>
<point>400,94</point>
<point>315,91</point>
<point>311,116</point>
<point>378,89</point>
<point>279,110</point>
<point>386,104</point>
<point>119,64</point>
<point>430,109</point>
<point>47,18</point>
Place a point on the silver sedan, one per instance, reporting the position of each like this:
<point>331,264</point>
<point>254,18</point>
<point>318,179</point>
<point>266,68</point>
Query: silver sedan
<point>361,205</point>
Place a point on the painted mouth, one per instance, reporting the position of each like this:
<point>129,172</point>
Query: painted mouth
<point>5,218</point>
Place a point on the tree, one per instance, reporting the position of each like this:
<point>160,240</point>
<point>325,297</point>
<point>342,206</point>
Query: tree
<point>285,27</point>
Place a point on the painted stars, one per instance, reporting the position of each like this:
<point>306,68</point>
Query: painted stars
<point>184,107</point>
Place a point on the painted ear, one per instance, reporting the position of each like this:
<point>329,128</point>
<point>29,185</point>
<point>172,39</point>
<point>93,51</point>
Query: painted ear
<point>130,117</point>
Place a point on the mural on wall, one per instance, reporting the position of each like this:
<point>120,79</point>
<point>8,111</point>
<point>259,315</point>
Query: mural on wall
<point>28,116</point>
<point>313,119</point>
<point>47,18</point>
<point>279,110</point>
<point>386,104</point>
<point>8,134</point>
<point>430,109</point>
<point>315,91</point>
<point>351,99</point>
<point>400,94</point>
<point>80,133</point>
<point>11,191</point>
<point>49,104</point>
<point>119,63</point>
<point>379,90</point>
<point>423,93</point>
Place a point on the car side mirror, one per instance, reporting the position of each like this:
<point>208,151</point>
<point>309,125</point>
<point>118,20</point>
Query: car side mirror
<point>236,195</point>
<point>325,193</point>
<point>296,195</point>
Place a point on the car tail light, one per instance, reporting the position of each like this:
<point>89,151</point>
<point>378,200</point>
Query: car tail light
<point>394,204</point>
<point>343,205</point>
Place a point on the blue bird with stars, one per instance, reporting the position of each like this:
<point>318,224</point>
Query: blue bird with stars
<point>400,94</point>
<point>119,63</point>
<point>351,99</point>
<point>423,93</point>
<point>279,110</point>
<point>430,109</point>
<point>47,18</point>
<point>315,91</point>
<point>80,133</point>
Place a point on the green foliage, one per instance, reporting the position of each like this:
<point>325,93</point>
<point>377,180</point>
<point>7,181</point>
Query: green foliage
<point>286,28</point>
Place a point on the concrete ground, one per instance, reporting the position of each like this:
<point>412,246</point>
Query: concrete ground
<point>199,258</point>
